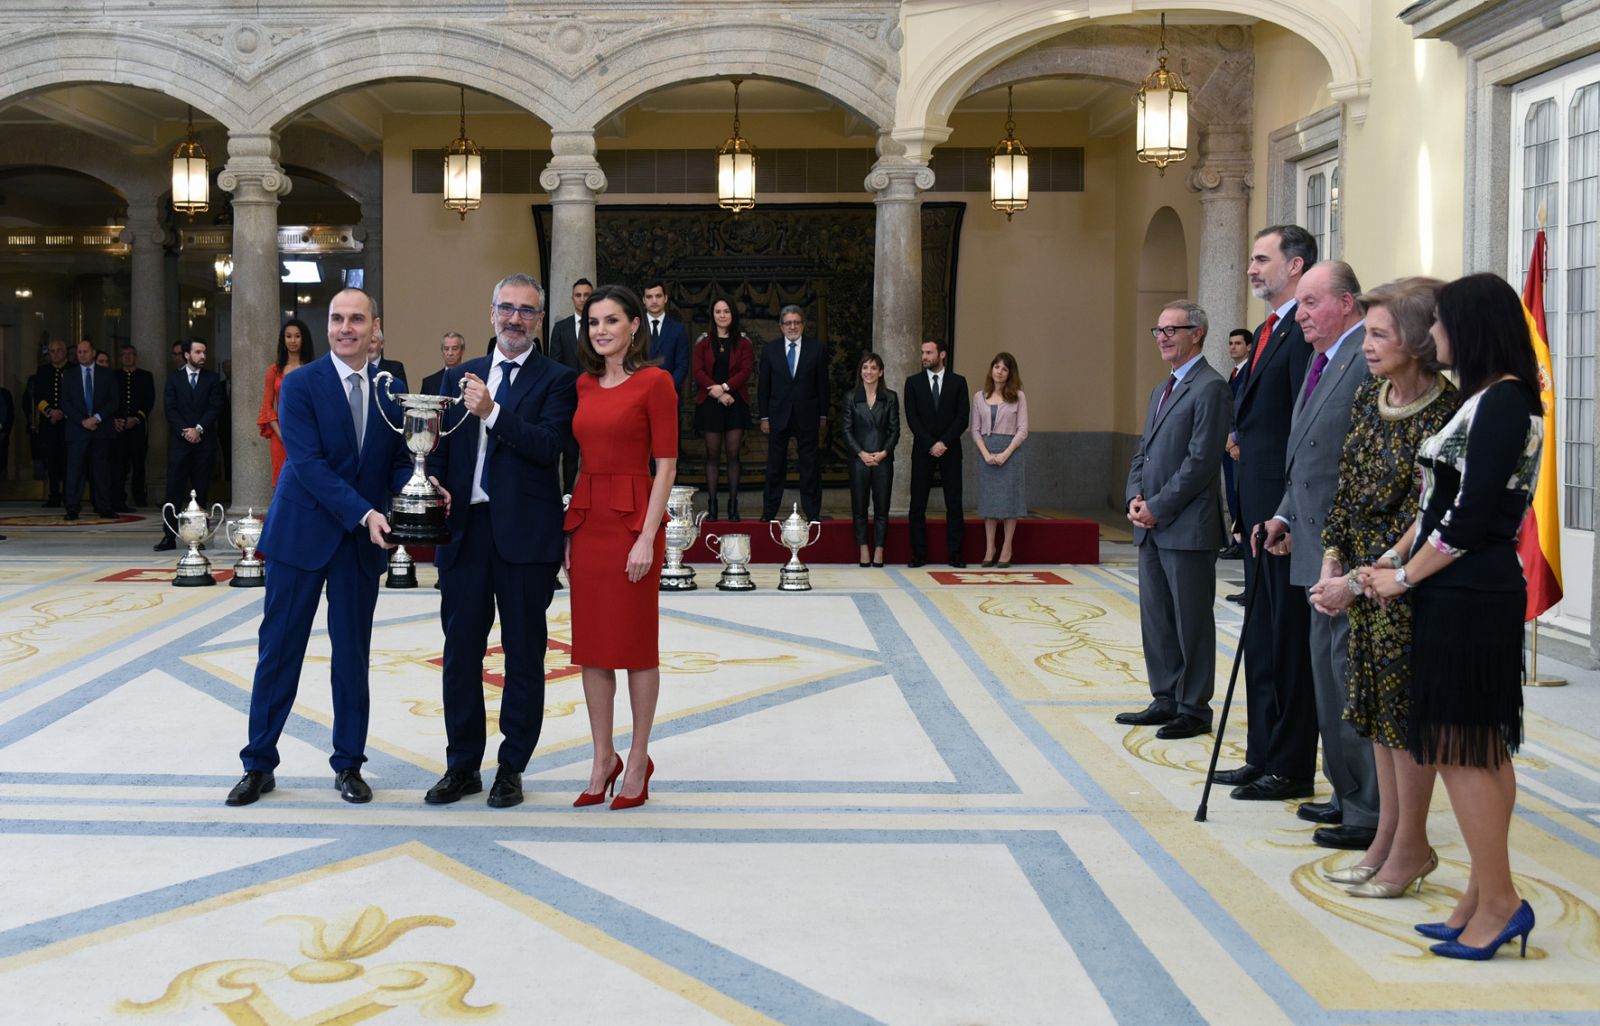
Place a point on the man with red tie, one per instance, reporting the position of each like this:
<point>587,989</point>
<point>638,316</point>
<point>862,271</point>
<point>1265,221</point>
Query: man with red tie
<point>1281,743</point>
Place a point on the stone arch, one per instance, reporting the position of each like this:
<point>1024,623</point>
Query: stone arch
<point>342,163</point>
<point>852,69</point>
<point>957,54</point>
<point>46,57</point>
<point>69,149</point>
<point>1163,277</point>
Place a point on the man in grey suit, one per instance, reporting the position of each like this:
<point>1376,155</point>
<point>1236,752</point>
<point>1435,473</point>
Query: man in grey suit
<point>1172,497</point>
<point>1330,317</point>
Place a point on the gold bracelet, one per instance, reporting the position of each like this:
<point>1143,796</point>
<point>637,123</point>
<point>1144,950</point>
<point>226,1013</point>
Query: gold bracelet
<point>1334,554</point>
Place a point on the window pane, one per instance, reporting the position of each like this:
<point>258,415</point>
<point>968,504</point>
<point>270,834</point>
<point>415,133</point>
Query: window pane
<point>1572,341</point>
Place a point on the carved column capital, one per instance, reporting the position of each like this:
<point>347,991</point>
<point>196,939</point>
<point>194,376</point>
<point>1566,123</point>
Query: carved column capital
<point>253,173</point>
<point>899,179</point>
<point>572,167</point>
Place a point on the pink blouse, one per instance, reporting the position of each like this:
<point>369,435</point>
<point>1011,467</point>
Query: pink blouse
<point>1009,418</point>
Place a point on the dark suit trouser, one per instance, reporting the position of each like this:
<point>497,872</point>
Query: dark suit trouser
<point>1346,756</point>
<point>128,449</point>
<point>805,451</point>
<point>89,455</point>
<point>53,451</point>
<point>188,466</point>
<point>287,612</point>
<point>922,465</point>
<point>569,465</point>
<point>871,483</point>
<point>1279,694</point>
<point>1177,592</point>
<point>477,582</point>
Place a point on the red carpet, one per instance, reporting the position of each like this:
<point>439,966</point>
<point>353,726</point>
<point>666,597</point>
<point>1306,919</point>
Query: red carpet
<point>1037,541</point>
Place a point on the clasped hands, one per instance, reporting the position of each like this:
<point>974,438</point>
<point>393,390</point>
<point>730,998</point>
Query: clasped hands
<point>1139,514</point>
<point>996,459</point>
<point>872,459</point>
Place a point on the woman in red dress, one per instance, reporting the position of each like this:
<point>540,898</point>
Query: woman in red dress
<point>627,415</point>
<point>294,350</point>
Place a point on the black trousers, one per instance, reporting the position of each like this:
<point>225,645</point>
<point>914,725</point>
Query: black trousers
<point>188,467</point>
<point>1279,691</point>
<point>53,451</point>
<point>810,471</point>
<point>470,590</point>
<point>922,467</point>
<point>569,465</point>
<point>89,456</point>
<point>128,449</point>
<point>871,483</point>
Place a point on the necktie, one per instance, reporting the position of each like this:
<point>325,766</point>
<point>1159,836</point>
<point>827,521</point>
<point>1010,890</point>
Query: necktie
<point>88,389</point>
<point>1172,379</point>
<point>1315,376</point>
<point>794,357</point>
<point>1233,376</point>
<point>194,379</point>
<point>502,392</point>
<point>356,410</point>
<point>1261,340</point>
<point>936,390</point>
<point>655,331</point>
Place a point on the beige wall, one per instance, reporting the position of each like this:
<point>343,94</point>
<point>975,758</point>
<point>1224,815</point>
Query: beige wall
<point>1291,81</point>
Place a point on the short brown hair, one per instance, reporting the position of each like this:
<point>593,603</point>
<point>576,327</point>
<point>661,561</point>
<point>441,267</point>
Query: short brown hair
<point>1411,302</point>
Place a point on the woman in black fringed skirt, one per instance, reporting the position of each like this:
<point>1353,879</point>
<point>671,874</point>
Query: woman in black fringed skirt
<point>1460,556</point>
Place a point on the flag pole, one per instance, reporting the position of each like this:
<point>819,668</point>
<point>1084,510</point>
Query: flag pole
<point>1531,678</point>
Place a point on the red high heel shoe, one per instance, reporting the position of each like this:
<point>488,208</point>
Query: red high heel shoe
<point>622,801</point>
<point>596,797</point>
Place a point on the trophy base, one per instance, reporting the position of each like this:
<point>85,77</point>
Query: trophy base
<point>679,579</point>
<point>794,580</point>
<point>401,578</point>
<point>195,573</point>
<point>735,579</point>
<point>421,524</point>
<point>248,573</point>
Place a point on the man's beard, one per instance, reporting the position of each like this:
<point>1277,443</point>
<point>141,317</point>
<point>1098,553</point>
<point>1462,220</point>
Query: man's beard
<point>513,344</point>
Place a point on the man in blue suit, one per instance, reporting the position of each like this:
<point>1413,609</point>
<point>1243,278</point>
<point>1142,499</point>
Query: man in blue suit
<point>506,542</point>
<point>324,528</point>
<point>669,342</point>
<point>88,400</point>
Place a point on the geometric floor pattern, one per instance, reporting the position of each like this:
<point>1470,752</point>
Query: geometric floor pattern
<point>899,798</point>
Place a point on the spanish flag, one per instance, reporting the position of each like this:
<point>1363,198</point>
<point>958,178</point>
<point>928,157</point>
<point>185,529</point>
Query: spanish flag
<point>1539,544</point>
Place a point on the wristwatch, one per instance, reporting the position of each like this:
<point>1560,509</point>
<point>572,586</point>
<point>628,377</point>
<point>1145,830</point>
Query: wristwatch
<point>1352,585</point>
<point>1400,579</point>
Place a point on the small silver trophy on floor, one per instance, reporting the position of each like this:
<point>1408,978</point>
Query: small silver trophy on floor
<point>794,533</point>
<point>683,527</point>
<point>417,510</point>
<point>193,526</point>
<point>244,534</point>
<point>734,551</point>
<point>402,569</point>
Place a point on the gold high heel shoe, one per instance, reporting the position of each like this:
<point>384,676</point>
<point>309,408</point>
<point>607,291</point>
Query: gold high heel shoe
<point>1352,874</point>
<point>1380,889</point>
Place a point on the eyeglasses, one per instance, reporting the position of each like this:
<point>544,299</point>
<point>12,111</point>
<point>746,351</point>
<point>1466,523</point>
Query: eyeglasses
<point>506,310</point>
<point>1170,330</point>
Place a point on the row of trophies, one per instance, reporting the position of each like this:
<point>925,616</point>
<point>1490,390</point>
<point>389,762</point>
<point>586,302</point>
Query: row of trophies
<point>417,517</point>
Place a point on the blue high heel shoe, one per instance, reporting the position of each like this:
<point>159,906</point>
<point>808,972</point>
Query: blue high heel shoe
<point>1519,925</point>
<point>1439,931</point>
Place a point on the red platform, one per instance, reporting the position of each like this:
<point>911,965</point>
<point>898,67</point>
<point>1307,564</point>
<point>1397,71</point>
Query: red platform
<point>1037,541</point>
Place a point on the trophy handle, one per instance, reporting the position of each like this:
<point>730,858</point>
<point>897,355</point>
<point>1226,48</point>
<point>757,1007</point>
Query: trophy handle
<point>385,379</point>
<point>711,541</point>
<point>775,538</point>
<point>460,397</point>
<point>222,514</point>
<point>171,525</point>
<point>811,538</point>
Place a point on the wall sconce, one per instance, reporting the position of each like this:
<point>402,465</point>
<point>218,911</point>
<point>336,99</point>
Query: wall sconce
<point>197,306</point>
<point>223,266</point>
<point>24,293</point>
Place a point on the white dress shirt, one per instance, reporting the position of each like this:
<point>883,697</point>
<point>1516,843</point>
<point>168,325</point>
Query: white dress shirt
<point>493,385</point>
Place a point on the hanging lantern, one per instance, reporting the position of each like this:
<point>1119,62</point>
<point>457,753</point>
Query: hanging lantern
<point>736,167</point>
<point>1008,169</point>
<point>463,170</point>
<point>1162,128</point>
<point>191,176</point>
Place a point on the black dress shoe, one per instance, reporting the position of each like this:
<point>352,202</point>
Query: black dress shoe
<point>1238,775</point>
<point>507,789</point>
<point>351,787</point>
<point>453,786</point>
<point>1149,716</point>
<point>166,545</point>
<point>1231,552</point>
<point>1237,598</point>
<point>959,564</point>
<point>917,562</point>
<point>251,786</point>
<point>1320,812</point>
<point>1184,725</point>
<point>1272,788</point>
<point>105,514</point>
<point>1350,838</point>
<point>71,514</point>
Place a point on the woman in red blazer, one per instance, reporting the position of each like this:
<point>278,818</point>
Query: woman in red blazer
<point>723,359</point>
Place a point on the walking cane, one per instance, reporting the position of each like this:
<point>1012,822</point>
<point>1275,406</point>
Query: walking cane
<point>1227,702</point>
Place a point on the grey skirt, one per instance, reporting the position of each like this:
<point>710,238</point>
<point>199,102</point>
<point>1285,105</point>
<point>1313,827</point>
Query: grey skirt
<point>1002,490</point>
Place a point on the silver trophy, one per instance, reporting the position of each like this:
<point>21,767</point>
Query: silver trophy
<point>402,569</point>
<point>795,533</point>
<point>244,534</point>
<point>417,511</point>
<point>734,551</point>
<point>193,526</point>
<point>683,527</point>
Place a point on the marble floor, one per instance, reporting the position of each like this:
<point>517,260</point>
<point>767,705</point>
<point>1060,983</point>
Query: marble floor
<point>899,798</point>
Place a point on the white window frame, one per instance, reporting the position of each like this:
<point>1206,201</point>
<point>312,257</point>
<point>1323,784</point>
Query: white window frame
<point>1329,245</point>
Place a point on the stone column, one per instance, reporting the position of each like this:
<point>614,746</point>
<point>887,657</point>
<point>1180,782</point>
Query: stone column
<point>898,183</point>
<point>147,240</point>
<point>370,232</point>
<point>1223,179</point>
<point>256,180</point>
<point>573,179</point>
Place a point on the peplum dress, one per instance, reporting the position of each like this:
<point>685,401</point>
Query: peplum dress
<point>616,624</point>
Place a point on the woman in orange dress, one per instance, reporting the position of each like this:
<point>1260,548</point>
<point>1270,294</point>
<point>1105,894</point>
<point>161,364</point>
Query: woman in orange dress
<point>627,414</point>
<point>294,350</point>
